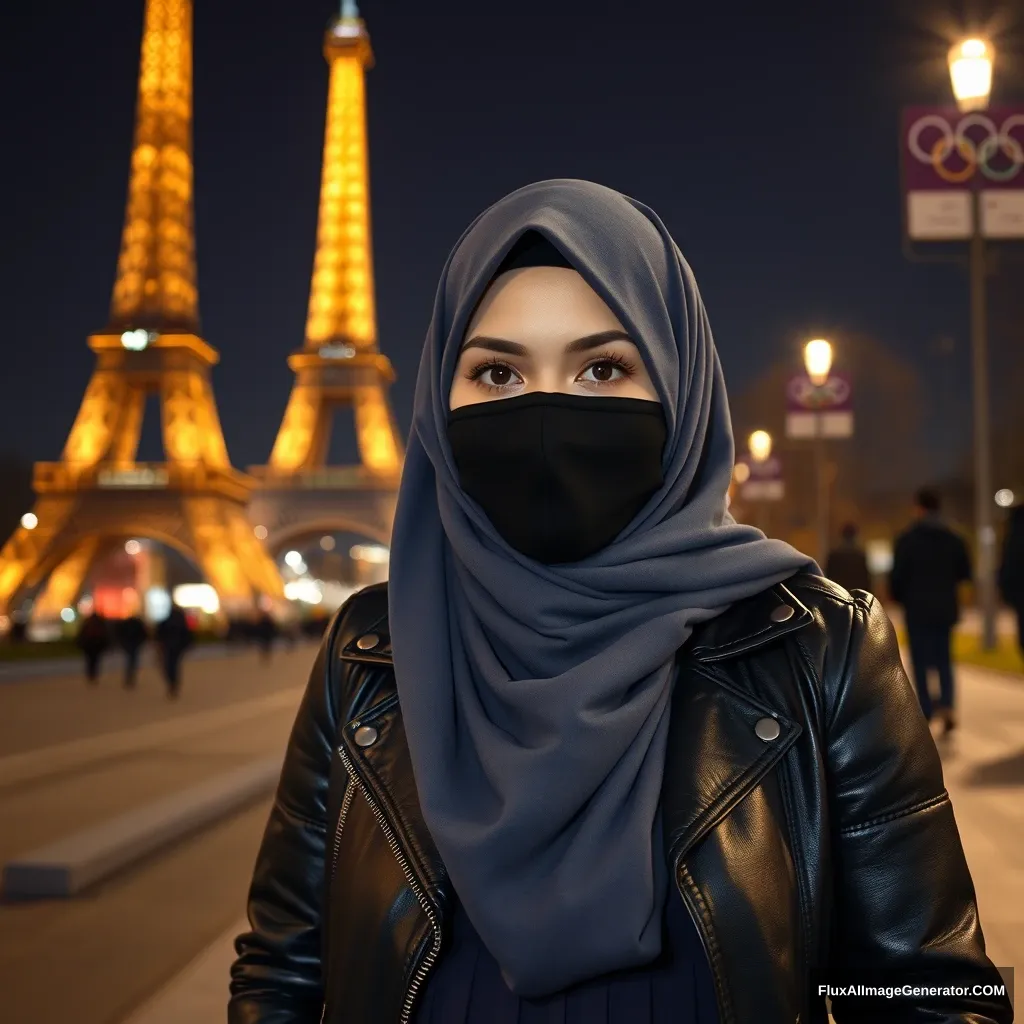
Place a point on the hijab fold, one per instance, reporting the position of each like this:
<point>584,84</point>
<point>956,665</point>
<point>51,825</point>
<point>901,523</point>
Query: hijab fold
<point>536,698</point>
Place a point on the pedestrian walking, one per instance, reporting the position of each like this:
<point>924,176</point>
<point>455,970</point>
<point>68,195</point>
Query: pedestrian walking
<point>93,640</point>
<point>930,562</point>
<point>131,634</point>
<point>848,564</point>
<point>1011,569</point>
<point>174,635</point>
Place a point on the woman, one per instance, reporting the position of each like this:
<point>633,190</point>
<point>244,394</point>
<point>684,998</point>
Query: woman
<point>597,753</point>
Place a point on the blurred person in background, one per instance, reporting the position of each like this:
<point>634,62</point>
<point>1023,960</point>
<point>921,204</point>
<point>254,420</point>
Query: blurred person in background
<point>1011,569</point>
<point>131,635</point>
<point>930,562</point>
<point>597,753</point>
<point>93,641</point>
<point>266,633</point>
<point>848,563</point>
<point>175,636</point>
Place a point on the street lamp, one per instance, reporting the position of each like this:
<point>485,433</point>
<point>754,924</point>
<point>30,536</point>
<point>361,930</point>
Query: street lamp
<point>818,356</point>
<point>760,445</point>
<point>970,72</point>
<point>818,360</point>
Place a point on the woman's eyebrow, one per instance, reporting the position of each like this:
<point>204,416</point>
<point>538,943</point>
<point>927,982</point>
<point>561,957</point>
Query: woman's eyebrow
<point>513,348</point>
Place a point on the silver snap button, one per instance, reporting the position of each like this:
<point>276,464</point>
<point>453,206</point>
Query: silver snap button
<point>368,642</point>
<point>366,736</point>
<point>783,613</point>
<point>767,729</point>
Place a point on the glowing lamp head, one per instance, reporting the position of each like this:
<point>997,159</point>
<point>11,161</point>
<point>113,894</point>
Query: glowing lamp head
<point>760,445</point>
<point>970,71</point>
<point>1005,498</point>
<point>818,360</point>
<point>30,520</point>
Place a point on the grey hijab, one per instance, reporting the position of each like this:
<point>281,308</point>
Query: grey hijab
<point>536,698</point>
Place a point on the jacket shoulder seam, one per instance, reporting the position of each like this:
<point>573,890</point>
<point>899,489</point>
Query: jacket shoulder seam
<point>905,812</point>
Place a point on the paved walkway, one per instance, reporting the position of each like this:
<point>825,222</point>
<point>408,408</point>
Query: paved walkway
<point>984,770</point>
<point>85,754</point>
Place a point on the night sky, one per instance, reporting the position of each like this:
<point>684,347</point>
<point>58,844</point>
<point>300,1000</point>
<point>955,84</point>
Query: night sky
<point>764,134</point>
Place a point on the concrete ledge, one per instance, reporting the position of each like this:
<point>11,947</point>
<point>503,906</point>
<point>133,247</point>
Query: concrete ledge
<point>69,865</point>
<point>199,994</point>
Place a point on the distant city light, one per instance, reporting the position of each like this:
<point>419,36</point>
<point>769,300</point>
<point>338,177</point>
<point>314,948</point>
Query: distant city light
<point>67,614</point>
<point>327,543</point>
<point>157,603</point>
<point>132,547</point>
<point>376,554</point>
<point>293,560</point>
<point>197,595</point>
<point>260,532</point>
<point>30,520</point>
<point>305,590</point>
<point>1004,498</point>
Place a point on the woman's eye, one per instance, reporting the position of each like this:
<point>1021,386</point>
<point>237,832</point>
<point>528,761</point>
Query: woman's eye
<point>497,376</point>
<point>603,372</point>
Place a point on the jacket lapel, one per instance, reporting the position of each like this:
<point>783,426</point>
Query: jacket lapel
<point>723,740</point>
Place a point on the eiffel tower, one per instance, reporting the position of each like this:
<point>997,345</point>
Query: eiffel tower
<point>193,501</point>
<point>340,365</point>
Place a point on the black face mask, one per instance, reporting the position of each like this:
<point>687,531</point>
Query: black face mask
<point>559,476</point>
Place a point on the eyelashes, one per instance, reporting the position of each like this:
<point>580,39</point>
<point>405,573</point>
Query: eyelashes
<point>625,368</point>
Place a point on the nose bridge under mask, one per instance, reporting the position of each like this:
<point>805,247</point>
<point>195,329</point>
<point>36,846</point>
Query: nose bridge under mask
<point>559,476</point>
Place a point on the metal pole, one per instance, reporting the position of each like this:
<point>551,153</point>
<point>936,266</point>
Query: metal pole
<point>821,469</point>
<point>983,495</point>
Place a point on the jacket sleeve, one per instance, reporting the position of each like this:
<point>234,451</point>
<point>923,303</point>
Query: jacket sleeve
<point>905,903</point>
<point>276,977</point>
<point>897,588</point>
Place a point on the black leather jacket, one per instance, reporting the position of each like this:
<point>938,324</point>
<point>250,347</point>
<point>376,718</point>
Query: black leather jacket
<point>806,823</point>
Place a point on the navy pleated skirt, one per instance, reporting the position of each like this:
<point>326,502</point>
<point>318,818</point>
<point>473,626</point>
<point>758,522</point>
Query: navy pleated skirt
<point>466,986</point>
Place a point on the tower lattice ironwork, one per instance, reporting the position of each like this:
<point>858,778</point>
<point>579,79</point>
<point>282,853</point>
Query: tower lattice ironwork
<point>194,500</point>
<point>340,365</point>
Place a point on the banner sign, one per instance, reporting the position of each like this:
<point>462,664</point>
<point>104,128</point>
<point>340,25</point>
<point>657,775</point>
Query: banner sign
<point>760,481</point>
<point>947,156</point>
<point>819,410</point>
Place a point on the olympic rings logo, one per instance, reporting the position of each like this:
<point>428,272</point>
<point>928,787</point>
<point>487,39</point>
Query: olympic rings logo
<point>976,155</point>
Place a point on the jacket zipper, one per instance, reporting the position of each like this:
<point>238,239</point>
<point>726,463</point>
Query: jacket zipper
<point>698,924</point>
<point>346,803</point>
<point>424,968</point>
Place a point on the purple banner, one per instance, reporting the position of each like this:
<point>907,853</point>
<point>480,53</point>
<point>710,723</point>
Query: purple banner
<point>835,395</point>
<point>944,149</point>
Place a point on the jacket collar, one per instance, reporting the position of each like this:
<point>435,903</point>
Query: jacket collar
<point>754,623</point>
<point>722,736</point>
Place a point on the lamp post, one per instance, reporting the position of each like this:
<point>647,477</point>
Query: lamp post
<point>818,364</point>
<point>970,72</point>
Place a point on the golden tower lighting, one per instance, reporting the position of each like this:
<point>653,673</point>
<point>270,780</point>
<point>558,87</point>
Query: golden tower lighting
<point>339,365</point>
<point>98,493</point>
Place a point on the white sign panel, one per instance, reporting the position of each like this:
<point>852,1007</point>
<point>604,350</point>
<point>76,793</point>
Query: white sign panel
<point>939,216</point>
